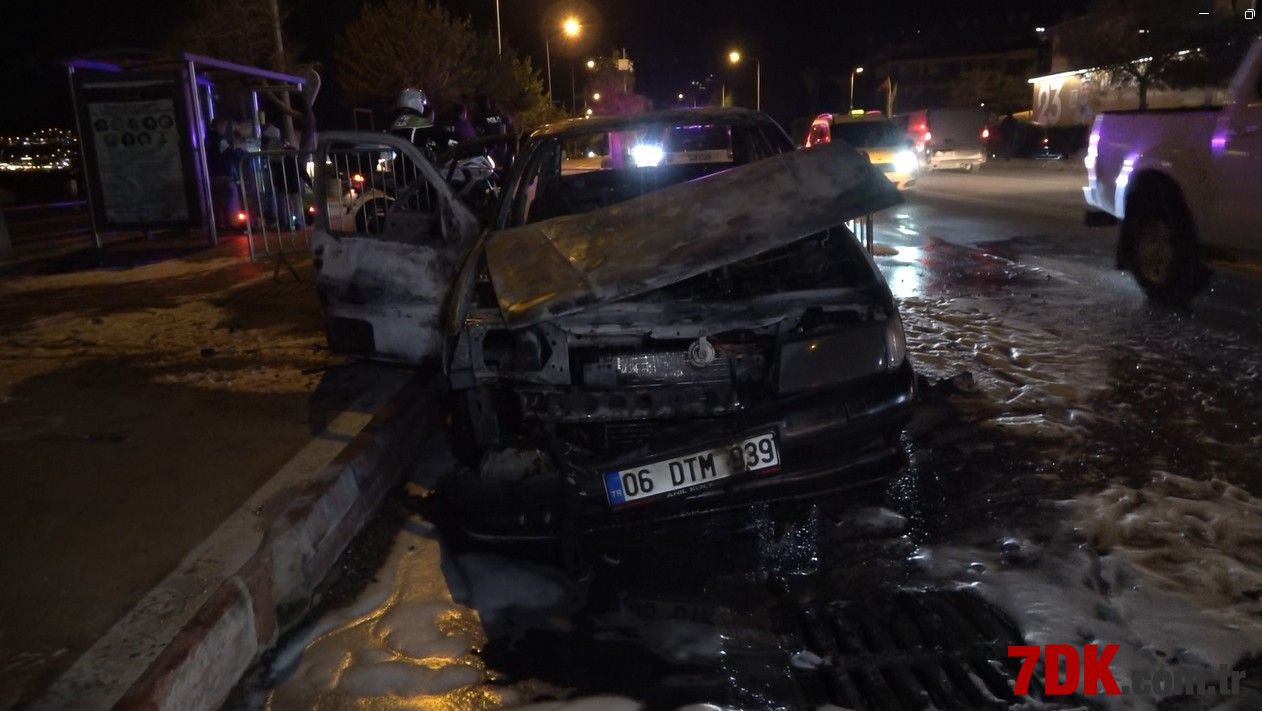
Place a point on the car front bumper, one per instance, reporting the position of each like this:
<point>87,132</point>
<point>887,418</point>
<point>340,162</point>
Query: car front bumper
<point>836,438</point>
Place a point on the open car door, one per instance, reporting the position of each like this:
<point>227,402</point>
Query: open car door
<point>389,239</point>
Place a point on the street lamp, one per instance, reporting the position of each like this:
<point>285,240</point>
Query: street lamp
<point>736,57</point>
<point>571,27</point>
<point>856,70</point>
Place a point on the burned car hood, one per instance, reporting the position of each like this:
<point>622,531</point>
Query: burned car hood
<point>563,265</point>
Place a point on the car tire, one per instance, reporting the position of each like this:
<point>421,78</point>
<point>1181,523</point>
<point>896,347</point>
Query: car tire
<point>1159,246</point>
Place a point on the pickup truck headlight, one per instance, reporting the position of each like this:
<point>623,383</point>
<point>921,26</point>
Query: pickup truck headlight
<point>905,162</point>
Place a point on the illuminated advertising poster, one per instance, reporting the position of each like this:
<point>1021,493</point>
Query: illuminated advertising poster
<point>139,151</point>
<point>137,148</point>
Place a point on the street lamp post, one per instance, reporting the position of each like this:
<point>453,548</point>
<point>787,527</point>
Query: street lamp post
<point>735,58</point>
<point>856,70</point>
<point>570,28</point>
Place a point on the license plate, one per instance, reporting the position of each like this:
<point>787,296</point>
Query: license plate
<point>670,475</point>
<point>648,609</point>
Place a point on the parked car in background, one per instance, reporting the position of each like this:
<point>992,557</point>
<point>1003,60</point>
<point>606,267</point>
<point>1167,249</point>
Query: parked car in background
<point>666,314</point>
<point>948,138</point>
<point>873,135</point>
<point>1185,185</point>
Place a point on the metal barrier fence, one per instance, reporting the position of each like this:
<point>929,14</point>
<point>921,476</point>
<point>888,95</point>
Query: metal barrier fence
<point>862,228</point>
<point>373,187</point>
<point>367,187</point>
<point>277,200</point>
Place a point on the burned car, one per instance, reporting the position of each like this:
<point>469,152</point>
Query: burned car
<point>665,314</point>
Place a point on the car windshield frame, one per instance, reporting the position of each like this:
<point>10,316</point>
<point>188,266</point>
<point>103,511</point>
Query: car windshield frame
<point>608,164</point>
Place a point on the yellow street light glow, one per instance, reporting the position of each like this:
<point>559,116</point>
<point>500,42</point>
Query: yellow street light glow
<point>858,70</point>
<point>591,64</point>
<point>734,56</point>
<point>596,96</point>
<point>572,26</point>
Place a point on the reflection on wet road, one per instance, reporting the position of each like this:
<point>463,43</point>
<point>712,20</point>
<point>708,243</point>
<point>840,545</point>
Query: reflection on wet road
<point>1083,469</point>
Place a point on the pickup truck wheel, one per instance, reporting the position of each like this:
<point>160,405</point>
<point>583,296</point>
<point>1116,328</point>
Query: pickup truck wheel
<point>1160,249</point>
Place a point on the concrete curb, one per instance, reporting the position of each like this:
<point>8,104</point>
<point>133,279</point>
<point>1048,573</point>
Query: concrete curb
<point>244,607</point>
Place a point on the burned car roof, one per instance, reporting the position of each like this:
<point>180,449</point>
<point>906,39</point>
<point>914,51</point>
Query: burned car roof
<point>562,265</point>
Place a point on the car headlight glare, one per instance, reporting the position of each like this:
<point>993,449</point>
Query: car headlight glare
<point>905,162</point>
<point>647,155</point>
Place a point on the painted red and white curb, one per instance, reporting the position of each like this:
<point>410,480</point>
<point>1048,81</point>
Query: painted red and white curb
<point>189,641</point>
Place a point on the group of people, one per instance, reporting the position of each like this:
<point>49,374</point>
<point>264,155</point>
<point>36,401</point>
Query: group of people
<point>282,206</point>
<point>436,132</point>
<point>414,119</point>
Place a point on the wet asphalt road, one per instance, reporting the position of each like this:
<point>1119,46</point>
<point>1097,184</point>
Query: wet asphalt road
<point>1047,377</point>
<point>997,261</point>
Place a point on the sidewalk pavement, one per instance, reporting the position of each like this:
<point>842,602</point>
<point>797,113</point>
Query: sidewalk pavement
<point>174,433</point>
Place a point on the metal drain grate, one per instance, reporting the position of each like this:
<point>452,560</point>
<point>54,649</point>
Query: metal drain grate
<point>915,650</point>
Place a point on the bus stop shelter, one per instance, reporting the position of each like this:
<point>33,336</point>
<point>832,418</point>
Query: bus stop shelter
<point>142,120</point>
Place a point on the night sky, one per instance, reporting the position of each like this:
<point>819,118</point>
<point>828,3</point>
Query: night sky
<point>672,42</point>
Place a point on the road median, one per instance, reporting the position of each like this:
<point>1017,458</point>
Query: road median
<point>1070,165</point>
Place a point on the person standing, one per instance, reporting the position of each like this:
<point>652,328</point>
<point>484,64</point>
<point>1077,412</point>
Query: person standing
<point>287,180</point>
<point>222,156</point>
<point>1008,137</point>
<point>488,121</point>
<point>414,121</point>
<point>458,126</point>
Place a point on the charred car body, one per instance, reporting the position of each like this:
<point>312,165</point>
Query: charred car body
<point>666,313</point>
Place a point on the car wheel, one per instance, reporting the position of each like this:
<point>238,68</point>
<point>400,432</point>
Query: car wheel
<point>1159,247</point>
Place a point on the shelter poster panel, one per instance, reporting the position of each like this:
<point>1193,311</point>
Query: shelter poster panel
<point>140,161</point>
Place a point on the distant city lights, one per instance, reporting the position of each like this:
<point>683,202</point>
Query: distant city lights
<point>48,149</point>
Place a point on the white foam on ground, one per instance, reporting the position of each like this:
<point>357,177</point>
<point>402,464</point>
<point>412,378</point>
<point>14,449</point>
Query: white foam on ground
<point>1169,573</point>
<point>403,643</point>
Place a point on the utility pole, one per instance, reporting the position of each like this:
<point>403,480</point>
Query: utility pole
<point>278,63</point>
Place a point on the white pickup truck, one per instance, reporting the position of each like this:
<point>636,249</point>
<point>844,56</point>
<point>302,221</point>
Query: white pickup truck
<point>1185,183</point>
